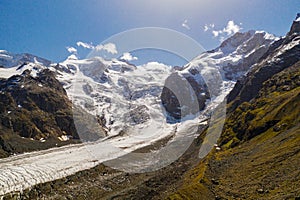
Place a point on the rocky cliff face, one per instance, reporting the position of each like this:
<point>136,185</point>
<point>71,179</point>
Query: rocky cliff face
<point>257,155</point>
<point>281,55</point>
<point>211,73</point>
<point>275,108</point>
<point>277,72</point>
<point>182,96</point>
<point>34,109</point>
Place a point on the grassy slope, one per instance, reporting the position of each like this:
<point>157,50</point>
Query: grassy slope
<point>260,154</point>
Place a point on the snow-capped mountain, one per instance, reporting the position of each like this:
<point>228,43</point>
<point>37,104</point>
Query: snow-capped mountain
<point>11,60</point>
<point>214,73</point>
<point>237,54</point>
<point>125,98</point>
<point>281,55</point>
<point>128,102</point>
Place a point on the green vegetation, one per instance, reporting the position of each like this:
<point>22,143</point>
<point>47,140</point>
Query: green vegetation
<point>260,154</point>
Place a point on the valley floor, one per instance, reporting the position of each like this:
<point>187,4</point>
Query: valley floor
<point>262,168</point>
<point>102,182</point>
<point>20,172</point>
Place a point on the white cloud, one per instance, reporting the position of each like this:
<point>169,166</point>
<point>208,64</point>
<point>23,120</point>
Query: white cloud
<point>208,27</point>
<point>85,45</point>
<point>128,57</point>
<point>185,24</point>
<point>71,50</point>
<point>231,28</point>
<point>109,47</point>
<point>215,33</point>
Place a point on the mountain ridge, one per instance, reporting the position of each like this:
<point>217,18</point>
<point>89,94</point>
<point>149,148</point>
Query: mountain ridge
<point>93,91</point>
<point>213,72</point>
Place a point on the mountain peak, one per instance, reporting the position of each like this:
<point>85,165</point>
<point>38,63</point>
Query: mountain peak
<point>8,59</point>
<point>295,29</point>
<point>297,17</point>
<point>235,40</point>
<point>246,41</point>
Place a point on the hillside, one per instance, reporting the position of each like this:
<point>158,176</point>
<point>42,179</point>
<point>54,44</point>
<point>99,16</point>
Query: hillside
<point>259,154</point>
<point>35,113</point>
<point>265,164</point>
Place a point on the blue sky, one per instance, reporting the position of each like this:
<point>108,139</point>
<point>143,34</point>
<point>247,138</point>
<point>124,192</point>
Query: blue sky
<point>45,28</point>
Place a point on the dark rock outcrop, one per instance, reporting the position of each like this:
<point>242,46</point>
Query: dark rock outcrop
<point>138,115</point>
<point>35,109</point>
<point>182,96</point>
<point>281,55</point>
